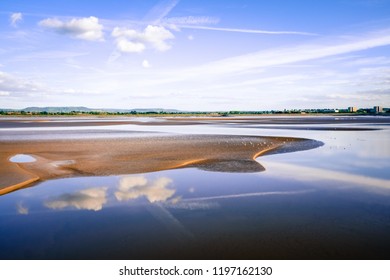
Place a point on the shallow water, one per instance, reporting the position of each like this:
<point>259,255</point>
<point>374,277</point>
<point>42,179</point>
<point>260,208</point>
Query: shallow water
<point>332,202</point>
<point>20,158</point>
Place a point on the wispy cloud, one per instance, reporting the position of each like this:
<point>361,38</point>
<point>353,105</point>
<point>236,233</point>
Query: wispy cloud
<point>272,70</point>
<point>243,66</point>
<point>83,28</point>
<point>190,20</point>
<point>203,22</point>
<point>366,61</point>
<point>47,55</point>
<point>289,55</point>
<point>160,11</point>
<point>12,85</point>
<point>15,18</point>
<point>239,30</point>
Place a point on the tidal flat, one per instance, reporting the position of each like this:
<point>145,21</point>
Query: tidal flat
<point>195,188</point>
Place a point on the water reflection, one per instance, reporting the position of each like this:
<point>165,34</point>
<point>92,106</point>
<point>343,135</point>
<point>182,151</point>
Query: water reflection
<point>330,202</point>
<point>88,199</point>
<point>23,210</point>
<point>178,231</point>
<point>193,205</point>
<point>189,213</point>
<point>230,166</point>
<point>244,195</point>
<point>157,192</point>
<point>133,187</point>
<point>304,173</point>
<point>160,191</point>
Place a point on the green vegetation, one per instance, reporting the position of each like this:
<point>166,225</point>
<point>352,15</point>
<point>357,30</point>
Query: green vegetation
<point>83,111</point>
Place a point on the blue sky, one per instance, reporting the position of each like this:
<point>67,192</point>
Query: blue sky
<point>195,55</point>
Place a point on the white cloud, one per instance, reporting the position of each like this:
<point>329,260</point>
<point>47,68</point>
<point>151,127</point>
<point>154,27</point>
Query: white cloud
<point>132,41</point>
<point>15,18</point>
<point>124,45</point>
<point>133,187</point>
<point>190,37</point>
<point>84,28</point>
<point>89,199</point>
<point>145,64</point>
<point>157,37</point>
<point>4,93</point>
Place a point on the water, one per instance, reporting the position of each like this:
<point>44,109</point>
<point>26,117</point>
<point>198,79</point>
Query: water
<point>332,202</point>
<point>19,158</point>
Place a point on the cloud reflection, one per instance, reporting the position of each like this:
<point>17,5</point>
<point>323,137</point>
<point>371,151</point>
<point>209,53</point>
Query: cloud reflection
<point>22,209</point>
<point>198,200</point>
<point>133,187</point>
<point>317,174</point>
<point>89,199</point>
<point>192,205</point>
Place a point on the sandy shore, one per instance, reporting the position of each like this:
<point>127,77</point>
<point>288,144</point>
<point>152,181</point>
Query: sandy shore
<point>99,157</point>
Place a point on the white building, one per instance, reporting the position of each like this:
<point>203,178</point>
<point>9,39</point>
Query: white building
<point>378,109</point>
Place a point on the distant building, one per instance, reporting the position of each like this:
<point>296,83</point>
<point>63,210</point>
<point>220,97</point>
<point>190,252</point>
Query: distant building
<point>352,109</point>
<point>378,109</point>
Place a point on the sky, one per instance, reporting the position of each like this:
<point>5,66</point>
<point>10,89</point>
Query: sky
<point>195,55</point>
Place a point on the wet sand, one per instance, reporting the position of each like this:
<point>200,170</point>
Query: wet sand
<point>23,122</point>
<point>101,157</point>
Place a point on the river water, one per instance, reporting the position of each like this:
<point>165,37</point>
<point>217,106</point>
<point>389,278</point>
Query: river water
<point>332,202</point>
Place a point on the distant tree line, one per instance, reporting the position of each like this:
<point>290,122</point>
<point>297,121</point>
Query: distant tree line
<point>194,113</point>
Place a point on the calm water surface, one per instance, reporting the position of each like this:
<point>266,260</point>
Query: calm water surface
<point>332,202</point>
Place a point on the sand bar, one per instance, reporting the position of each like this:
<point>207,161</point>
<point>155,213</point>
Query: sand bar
<point>100,157</point>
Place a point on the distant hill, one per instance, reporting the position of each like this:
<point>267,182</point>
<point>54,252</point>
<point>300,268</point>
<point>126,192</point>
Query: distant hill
<point>141,110</point>
<point>57,109</point>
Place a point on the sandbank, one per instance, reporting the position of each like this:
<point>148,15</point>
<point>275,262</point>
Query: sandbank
<point>101,157</point>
